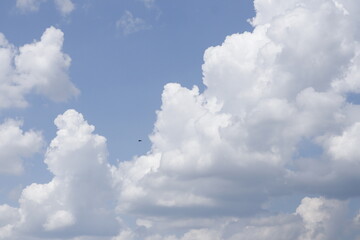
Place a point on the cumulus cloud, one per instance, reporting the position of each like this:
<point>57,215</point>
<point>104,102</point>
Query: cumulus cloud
<point>79,198</point>
<point>65,7</point>
<point>322,218</point>
<point>8,217</point>
<point>273,121</point>
<point>129,24</point>
<point>345,146</point>
<point>39,67</point>
<point>15,145</point>
<point>269,92</point>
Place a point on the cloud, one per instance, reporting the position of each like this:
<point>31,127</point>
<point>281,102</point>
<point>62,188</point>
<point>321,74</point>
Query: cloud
<point>322,218</point>
<point>314,218</point>
<point>15,145</point>
<point>267,92</point>
<point>344,147</point>
<point>39,67</point>
<point>65,7</point>
<point>130,24</point>
<point>29,5</point>
<point>78,199</point>
<point>224,152</point>
<point>8,217</point>
<point>273,121</point>
<point>149,3</point>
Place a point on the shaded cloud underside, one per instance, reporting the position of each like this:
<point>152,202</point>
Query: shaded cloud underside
<point>217,157</point>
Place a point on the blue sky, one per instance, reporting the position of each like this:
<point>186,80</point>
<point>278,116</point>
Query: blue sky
<point>247,110</point>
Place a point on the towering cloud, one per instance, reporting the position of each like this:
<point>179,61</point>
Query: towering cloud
<point>273,122</point>
<point>79,199</point>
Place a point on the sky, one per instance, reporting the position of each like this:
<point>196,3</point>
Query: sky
<point>248,112</point>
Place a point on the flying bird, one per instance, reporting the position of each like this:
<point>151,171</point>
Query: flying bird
<point>139,140</point>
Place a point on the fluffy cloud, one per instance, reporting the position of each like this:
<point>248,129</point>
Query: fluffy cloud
<point>40,67</point>
<point>64,6</point>
<point>8,217</point>
<point>273,121</point>
<point>129,24</point>
<point>15,145</point>
<point>322,218</point>
<point>345,147</point>
<point>79,199</point>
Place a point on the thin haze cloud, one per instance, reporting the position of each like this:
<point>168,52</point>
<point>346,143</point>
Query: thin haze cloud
<point>65,7</point>
<point>149,3</point>
<point>130,24</point>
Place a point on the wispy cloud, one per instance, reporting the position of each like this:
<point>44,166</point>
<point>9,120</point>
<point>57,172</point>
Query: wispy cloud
<point>130,24</point>
<point>149,3</point>
<point>29,5</point>
<point>65,7</point>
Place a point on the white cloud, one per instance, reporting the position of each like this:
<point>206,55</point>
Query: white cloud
<point>345,147</point>
<point>60,220</point>
<point>314,218</point>
<point>15,145</point>
<point>225,151</point>
<point>322,218</point>
<point>65,7</point>
<point>39,67</point>
<point>8,217</point>
<point>217,157</point>
<point>29,5</point>
<point>42,66</point>
<point>79,198</point>
<point>130,24</point>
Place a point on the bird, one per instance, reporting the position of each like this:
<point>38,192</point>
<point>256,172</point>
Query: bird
<point>139,140</point>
